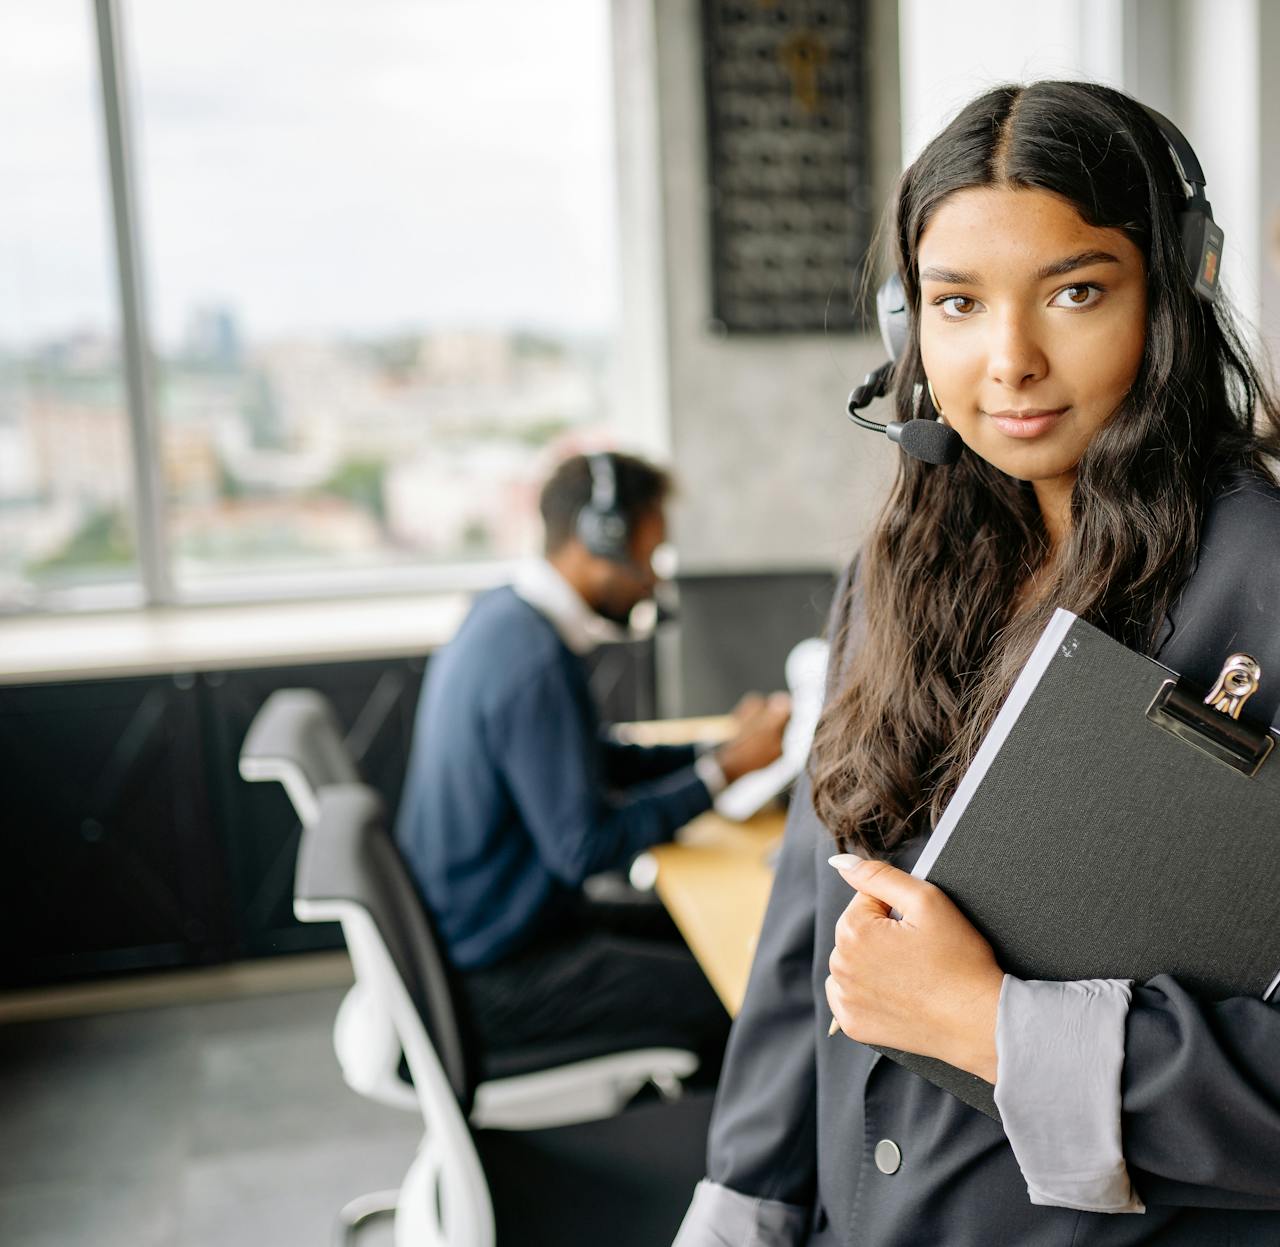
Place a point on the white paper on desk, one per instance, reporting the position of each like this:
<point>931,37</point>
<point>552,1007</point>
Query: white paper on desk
<point>806,671</point>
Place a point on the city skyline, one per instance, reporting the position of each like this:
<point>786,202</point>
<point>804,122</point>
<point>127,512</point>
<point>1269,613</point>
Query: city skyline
<point>293,454</point>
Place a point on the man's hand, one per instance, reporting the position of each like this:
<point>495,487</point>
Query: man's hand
<point>927,983</point>
<point>759,738</point>
<point>749,705</point>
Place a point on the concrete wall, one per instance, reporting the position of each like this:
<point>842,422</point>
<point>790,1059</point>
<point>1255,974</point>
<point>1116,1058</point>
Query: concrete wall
<point>773,474</point>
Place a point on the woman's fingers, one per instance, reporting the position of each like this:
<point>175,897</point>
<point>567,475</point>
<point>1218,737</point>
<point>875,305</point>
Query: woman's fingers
<point>883,886</point>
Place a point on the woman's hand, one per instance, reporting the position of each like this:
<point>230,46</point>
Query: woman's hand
<point>928,983</point>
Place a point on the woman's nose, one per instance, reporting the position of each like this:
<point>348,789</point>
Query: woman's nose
<point>1014,355</point>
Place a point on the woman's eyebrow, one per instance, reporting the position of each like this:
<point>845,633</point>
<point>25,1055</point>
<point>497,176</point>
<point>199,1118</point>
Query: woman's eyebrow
<point>952,276</point>
<point>1081,259</point>
<point>1068,264</point>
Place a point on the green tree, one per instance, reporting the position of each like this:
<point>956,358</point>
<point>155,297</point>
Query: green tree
<point>103,539</point>
<point>359,480</point>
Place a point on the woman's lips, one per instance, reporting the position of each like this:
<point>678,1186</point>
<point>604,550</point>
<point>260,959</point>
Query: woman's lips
<point>1030,423</point>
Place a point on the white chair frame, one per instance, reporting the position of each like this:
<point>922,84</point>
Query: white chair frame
<point>444,1199</point>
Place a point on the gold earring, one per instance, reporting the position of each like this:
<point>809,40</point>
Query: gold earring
<point>933,398</point>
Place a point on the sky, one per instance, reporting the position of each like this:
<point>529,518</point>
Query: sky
<point>317,166</point>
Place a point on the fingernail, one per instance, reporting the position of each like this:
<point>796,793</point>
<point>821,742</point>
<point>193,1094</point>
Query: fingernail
<point>844,861</point>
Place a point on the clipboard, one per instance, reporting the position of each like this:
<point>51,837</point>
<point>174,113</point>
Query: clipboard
<point>1116,823</point>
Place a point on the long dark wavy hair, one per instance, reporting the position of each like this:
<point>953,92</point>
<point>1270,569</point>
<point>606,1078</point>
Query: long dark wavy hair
<point>941,632</point>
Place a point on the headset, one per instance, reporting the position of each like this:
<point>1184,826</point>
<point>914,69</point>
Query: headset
<point>602,527</point>
<point>925,437</point>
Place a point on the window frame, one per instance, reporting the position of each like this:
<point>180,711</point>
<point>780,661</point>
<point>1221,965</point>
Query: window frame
<point>155,575</point>
<point>156,584</point>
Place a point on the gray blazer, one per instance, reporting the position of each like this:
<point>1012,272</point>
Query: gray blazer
<point>793,1149</point>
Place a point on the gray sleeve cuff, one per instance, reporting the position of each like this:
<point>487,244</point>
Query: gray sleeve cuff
<point>1060,1049</point>
<point>709,770</point>
<point>720,1217</point>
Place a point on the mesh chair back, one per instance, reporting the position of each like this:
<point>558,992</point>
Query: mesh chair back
<point>347,855</point>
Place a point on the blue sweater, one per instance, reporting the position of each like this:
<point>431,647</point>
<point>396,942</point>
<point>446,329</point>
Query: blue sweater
<point>513,796</point>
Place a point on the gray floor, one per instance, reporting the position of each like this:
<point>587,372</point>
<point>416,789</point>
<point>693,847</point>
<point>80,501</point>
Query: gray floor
<point>227,1123</point>
<point>192,1126</point>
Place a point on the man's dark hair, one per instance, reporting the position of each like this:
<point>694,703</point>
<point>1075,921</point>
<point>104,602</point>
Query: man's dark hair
<point>641,487</point>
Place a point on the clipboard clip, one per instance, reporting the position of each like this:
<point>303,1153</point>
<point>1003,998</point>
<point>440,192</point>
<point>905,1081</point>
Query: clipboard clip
<point>1212,724</point>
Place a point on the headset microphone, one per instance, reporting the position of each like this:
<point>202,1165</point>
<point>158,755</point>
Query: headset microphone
<point>930,441</point>
<point>927,440</point>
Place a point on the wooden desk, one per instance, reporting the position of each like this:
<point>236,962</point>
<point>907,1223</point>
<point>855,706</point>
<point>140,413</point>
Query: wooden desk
<point>715,877</point>
<point>715,727</point>
<point>714,880</point>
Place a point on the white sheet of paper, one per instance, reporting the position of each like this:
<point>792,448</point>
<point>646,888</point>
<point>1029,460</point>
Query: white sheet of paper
<point>806,672</point>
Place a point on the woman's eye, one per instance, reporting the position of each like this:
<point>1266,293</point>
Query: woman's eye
<point>1078,296</point>
<point>957,306</point>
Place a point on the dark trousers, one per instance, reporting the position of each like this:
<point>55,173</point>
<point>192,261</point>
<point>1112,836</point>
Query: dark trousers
<point>618,976</point>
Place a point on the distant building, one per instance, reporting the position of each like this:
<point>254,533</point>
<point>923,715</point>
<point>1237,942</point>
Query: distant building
<point>81,451</point>
<point>212,338</point>
<point>465,357</point>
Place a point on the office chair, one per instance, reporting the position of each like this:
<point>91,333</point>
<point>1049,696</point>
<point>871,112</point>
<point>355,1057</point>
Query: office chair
<point>350,871</point>
<point>295,739</point>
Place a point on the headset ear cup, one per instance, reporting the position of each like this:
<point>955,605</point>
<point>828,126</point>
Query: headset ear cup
<point>605,534</point>
<point>601,526</point>
<point>1202,250</point>
<point>612,542</point>
<point>596,533</point>
<point>892,315</point>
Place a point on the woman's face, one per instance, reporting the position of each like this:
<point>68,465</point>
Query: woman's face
<point>1032,326</point>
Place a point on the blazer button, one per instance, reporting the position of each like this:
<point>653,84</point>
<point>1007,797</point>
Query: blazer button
<point>888,1156</point>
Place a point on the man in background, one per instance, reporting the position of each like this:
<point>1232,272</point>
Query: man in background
<point>516,794</point>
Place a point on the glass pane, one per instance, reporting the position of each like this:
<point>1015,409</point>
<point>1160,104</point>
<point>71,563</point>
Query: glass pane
<point>380,242</point>
<point>66,513</point>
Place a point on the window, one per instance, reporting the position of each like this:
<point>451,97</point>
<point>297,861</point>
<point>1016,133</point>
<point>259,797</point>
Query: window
<point>378,255</point>
<point>66,473</point>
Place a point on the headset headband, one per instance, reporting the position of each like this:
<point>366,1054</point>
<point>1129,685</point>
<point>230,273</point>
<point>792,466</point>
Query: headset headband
<point>1184,156</point>
<point>602,527</point>
<point>604,485</point>
<point>1202,236</point>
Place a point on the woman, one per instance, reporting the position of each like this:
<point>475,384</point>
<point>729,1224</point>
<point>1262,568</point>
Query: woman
<point>1118,440</point>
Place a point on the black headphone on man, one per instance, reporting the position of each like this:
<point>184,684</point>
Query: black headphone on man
<point>602,527</point>
<point>931,441</point>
